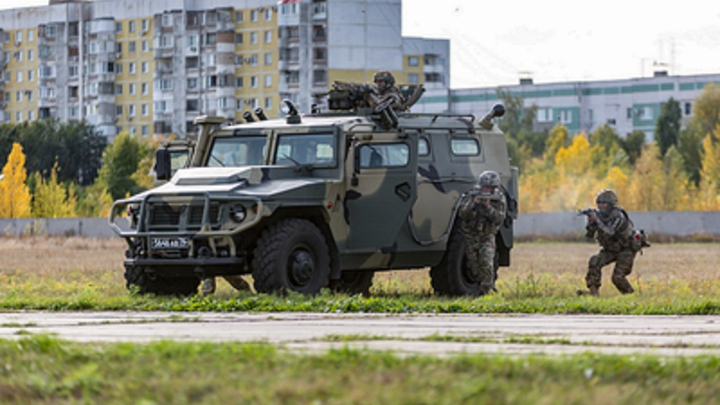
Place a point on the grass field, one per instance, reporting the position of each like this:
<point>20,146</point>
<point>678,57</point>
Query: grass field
<point>77,273</point>
<point>65,274</point>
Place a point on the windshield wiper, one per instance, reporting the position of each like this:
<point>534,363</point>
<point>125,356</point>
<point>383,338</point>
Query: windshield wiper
<point>217,160</point>
<point>300,166</point>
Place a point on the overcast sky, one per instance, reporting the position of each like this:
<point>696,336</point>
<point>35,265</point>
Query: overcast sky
<point>496,42</point>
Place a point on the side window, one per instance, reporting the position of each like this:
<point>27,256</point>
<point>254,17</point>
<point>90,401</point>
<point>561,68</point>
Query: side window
<point>384,155</point>
<point>423,147</point>
<point>465,147</point>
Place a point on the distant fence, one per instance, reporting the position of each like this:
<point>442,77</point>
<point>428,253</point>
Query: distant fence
<point>675,223</point>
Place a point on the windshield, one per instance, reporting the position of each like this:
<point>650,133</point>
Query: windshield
<point>237,151</point>
<point>306,149</point>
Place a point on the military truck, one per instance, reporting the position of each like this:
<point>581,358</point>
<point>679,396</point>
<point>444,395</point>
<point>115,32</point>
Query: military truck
<point>317,200</point>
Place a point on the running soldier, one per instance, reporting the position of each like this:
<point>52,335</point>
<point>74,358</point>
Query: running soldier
<point>611,226</point>
<point>482,211</point>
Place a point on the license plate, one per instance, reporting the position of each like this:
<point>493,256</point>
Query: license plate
<point>169,243</point>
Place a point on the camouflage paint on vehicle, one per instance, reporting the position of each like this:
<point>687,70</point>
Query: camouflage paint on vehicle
<point>381,197</point>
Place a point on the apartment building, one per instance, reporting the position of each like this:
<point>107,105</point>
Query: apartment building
<point>625,105</point>
<point>151,67</point>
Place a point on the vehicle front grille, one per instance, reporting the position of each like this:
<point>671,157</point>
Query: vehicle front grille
<point>176,216</point>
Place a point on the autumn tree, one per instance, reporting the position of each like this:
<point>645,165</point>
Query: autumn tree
<point>559,137</point>
<point>120,162</point>
<point>689,147</point>
<point>14,193</point>
<point>667,127</point>
<point>633,145</point>
<point>51,199</point>
<point>706,112</point>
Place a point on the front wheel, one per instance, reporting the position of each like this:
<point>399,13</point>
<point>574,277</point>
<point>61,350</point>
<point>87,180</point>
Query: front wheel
<point>291,255</point>
<point>137,278</point>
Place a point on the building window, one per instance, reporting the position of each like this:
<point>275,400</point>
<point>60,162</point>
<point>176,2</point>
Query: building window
<point>131,46</point>
<point>268,59</point>
<point>319,32</point>
<point>145,46</point>
<point>211,38</point>
<point>319,77</point>
<point>268,103</point>
<point>239,104</point>
<point>31,35</point>
<point>268,80</point>
<point>320,54</point>
<point>239,82</point>
<point>144,67</point>
<point>268,37</point>
<point>132,68</point>
<point>192,83</point>
<point>145,131</point>
<point>145,110</point>
<point>253,82</point>
<point>18,96</point>
<point>192,63</point>
<point>131,89</point>
<point>413,61</point>
<point>413,78</point>
<point>688,108</point>
<point>145,25</point>
<point>31,116</point>
<point>268,14</point>
<point>166,20</point>
<point>18,116</point>
<point>566,117</point>
<point>31,75</point>
<point>166,41</point>
<point>118,89</point>
<point>118,27</point>
<point>31,55</point>
<point>131,26</point>
<point>145,88</point>
<point>19,77</point>
<point>544,115</point>
<point>132,131</point>
<point>118,110</point>
<point>253,38</point>
<point>192,105</point>
<point>238,17</point>
<point>131,110</point>
<point>238,39</point>
<point>253,15</point>
<point>239,60</point>
<point>253,60</point>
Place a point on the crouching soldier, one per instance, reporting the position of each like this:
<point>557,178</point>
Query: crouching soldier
<point>611,226</point>
<point>482,211</point>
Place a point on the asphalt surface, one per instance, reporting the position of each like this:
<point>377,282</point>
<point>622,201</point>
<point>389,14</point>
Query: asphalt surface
<point>404,334</point>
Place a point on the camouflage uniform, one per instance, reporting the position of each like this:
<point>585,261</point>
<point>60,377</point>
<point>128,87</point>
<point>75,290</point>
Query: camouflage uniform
<point>239,283</point>
<point>387,91</point>
<point>612,230</point>
<point>479,225</point>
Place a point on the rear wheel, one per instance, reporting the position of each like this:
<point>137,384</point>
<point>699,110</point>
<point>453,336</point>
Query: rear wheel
<point>452,276</point>
<point>291,255</point>
<point>353,282</point>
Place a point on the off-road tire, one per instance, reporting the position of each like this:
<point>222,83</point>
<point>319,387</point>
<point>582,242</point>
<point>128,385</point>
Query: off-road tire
<point>353,282</point>
<point>291,255</point>
<point>137,279</point>
<point>452,276</point>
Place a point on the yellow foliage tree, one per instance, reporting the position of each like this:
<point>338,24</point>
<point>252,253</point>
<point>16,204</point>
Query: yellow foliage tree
<point>646,184</point>
<point>14,193</point>
<point>51,200</point>
<point>708,199</point>
<point>575,159</point>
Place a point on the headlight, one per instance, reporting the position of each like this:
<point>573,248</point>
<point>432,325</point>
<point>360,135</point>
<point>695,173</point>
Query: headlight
<point>238,213</point>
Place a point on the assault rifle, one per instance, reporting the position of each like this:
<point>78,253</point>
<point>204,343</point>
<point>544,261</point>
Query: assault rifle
<point>587,212</point>
<point>475,192</point>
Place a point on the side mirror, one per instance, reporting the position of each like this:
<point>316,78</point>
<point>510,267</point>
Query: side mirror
<point>162,164</point>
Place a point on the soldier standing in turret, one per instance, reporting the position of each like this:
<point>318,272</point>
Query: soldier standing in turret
<point>387,91</point>
<point>482,211</point>
<point>612,228</point>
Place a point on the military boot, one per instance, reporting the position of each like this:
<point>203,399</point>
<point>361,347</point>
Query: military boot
<point>593,291</point>
<point>238,283</point>
<point>208,286</point>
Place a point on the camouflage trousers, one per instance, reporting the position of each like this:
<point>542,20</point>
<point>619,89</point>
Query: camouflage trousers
<point>480,252</point>
<point>623,259</point>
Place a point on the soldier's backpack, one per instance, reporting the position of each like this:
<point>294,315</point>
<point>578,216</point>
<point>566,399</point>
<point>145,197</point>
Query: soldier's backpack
<point>638,237</point>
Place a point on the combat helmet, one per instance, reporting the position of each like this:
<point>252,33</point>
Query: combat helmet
<point>488,178</point>
<point>384,80</point>
<point>607,196</point>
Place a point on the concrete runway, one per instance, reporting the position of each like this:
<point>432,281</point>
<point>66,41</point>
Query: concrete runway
<point>404,334</point>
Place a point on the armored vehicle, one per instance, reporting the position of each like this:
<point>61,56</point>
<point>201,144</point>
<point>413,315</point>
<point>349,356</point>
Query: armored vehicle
<point>316,200</point>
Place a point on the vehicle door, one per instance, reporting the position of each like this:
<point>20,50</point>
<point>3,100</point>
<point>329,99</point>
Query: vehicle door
<point>382,189</point>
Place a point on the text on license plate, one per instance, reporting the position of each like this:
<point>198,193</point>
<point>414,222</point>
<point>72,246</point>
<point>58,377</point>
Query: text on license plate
<point>169,243</point>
